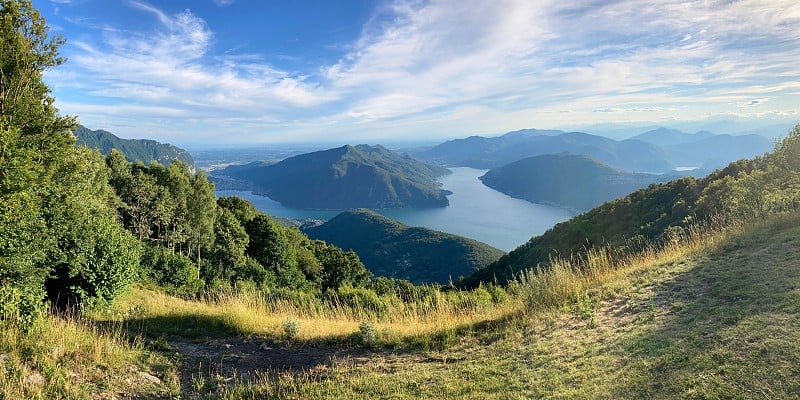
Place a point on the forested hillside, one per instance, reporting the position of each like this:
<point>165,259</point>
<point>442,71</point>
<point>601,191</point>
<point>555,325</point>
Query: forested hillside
<point>391,249</point>
<point>79,229</point>
<point>343,178</point>
<point>135,150</point>
<point>567,180</point>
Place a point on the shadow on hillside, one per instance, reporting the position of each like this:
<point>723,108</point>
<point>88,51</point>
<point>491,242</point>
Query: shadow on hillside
<point>715,325</point>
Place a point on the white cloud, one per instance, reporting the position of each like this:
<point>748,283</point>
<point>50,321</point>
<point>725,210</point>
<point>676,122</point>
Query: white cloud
<point>420,67</point>
<point>172,68</point>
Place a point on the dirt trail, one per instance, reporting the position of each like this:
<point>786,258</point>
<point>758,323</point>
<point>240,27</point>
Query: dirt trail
<point>245,360</point>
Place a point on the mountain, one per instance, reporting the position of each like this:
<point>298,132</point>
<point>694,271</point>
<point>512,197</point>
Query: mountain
<point>343,178</point>
<point>483,152</point>
<point>718,150</point>
<point>573,181</point>
<point>705,149</point>
<point>135,150</point>
<point>665,137</point>
<point>391,249</point>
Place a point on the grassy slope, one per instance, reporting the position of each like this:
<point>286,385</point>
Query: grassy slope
<point>718,323</point>
<point>389,248</point>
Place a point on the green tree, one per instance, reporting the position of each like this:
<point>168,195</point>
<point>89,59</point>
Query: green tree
<point>59,220</point>
<point>227,257</point>
<point>33,138</point>
<point>340,268</point>
<point>241,208</point>
<point>95,257</point>
<point>270,247</point>
<point>202,208</point>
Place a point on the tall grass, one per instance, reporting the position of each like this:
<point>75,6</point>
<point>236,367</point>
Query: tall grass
<point>430,314</point>
<point>565,280</point>
<point>66,357</point>
<point>330,319</point>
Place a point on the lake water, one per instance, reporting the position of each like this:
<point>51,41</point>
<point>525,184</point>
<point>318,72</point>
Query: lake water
<point>475,211</point>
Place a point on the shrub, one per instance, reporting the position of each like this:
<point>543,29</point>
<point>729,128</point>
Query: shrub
<point>368,332</point>
<point>291,328</point>
<point>18,308</point>
<point>173,272</point>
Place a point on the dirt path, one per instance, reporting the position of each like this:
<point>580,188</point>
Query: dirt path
<point>246,360</point>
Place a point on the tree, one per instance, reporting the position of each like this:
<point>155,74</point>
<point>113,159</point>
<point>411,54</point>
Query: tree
<point>270,247</point>
<point>241,208</point>
<point>59,220</point>
<point>33,137</point>
<point>202,208</point>
<point>340,268</point>
<point>227,257</point>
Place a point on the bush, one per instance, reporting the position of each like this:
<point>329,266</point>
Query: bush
<point>96,263</point>
<point>368,332</point>
<point>174,272</point>
<point>291,328</point>
<point>18,308</point>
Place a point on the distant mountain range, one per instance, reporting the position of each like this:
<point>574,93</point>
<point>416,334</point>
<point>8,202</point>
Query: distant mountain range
<point>705,149</point>
<point>389,248</point>
<point>342,178</point>
<point>135,150</point>
<point>656,151</point>
<point>568,180</point>
<point>492,152</point>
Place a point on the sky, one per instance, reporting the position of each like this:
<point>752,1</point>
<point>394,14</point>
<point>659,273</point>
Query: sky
<point>222,72</point>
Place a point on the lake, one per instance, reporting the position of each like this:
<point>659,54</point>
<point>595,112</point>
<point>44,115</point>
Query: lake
<point>475,211</point>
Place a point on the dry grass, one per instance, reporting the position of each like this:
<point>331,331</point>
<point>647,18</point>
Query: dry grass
<point>250,314</point>
<point>64,357</point>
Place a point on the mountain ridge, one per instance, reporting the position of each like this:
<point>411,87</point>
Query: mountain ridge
<point>391,249</point>
<point>343,178</point>
<point>135,150</point>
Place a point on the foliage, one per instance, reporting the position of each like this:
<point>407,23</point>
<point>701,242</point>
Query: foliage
<point>270,247</point>
<point>339,268</point>
<point>368,333</point>
<point>291,328</point>
<point>173,272</point>
<point>19,309</point>
<point>66,237</point>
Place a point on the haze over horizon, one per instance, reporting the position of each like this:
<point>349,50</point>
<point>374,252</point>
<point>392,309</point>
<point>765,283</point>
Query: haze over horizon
<point>232,71</point>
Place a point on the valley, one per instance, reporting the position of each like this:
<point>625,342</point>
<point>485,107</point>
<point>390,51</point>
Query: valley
<point>475,211</point>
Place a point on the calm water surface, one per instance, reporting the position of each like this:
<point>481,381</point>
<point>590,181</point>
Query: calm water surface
<point>476,211</point>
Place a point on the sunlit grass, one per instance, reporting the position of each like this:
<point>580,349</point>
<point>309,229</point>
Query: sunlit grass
<point>714,317</point>
<point>64,357</point>
<point>251,314</point>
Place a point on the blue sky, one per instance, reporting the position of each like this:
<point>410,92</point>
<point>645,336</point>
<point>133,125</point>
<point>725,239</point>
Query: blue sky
<point>252,71</point>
